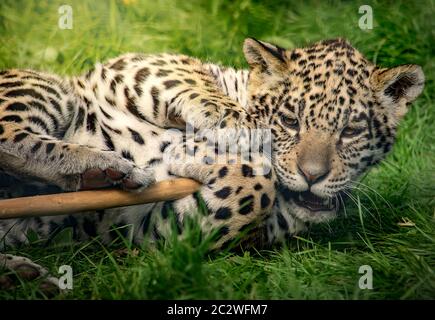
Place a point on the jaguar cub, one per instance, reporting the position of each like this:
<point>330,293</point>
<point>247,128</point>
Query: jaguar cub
<point>330,112</point>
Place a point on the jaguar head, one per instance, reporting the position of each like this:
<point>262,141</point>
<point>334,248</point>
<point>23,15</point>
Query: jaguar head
<point>332,114</point>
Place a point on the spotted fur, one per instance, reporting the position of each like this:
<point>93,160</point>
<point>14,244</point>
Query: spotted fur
<point>332,114</point>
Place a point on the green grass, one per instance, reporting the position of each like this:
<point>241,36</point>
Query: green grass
<point>320,265</point>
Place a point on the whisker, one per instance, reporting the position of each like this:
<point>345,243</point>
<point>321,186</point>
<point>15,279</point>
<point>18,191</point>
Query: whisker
<point>358,203</point>
<point>374,205</point>
<point>375,192</point>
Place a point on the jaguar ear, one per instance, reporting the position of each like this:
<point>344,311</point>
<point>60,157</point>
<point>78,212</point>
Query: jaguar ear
<point>397,87</point>
<point>264,57</point>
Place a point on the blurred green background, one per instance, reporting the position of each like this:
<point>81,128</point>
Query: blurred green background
<point>389,225</point>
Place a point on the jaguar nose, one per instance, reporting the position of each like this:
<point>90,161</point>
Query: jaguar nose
<point>314,158</point>
<point>313,172</point>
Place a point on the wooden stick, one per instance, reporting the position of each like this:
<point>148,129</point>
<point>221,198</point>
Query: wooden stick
<point>72,202</point>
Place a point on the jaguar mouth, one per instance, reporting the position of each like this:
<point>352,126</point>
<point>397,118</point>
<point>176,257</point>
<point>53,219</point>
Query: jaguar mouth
<point>314,203</point>
<point>308,206</point>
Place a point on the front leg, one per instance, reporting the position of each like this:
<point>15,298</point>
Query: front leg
<point>69,166</point>
<point>170,91</point>
<point>204,109</point>
<point>238,200</point>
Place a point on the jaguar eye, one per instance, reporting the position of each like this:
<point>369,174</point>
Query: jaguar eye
<point>291,123</point>
<point>350,132</point>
